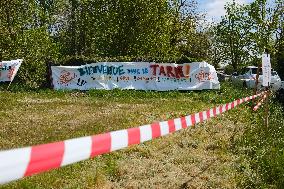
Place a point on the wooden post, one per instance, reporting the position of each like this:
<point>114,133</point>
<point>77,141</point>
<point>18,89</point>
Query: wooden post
<point>9,85</point>
<point>49,74</point>
<point>1,57</point>
<point>266,122</point>
<point>256,83</point>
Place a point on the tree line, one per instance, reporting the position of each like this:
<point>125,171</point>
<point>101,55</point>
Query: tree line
<point>151,30</point>
<point>247,30</point>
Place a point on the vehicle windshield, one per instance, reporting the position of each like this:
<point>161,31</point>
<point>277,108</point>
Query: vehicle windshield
<point>254,71</point>
<point>274,73</point>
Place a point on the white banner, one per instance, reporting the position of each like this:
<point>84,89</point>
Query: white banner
<point>9,69</point>
<point>266,70</point>
<point>136,75</point>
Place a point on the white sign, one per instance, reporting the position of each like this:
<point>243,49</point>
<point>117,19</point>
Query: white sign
<point>266,70</point>
<point>9,69</point>
<point>136,75</point>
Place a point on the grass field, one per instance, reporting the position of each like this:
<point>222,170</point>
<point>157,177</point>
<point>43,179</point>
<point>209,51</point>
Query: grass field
<point>201,157</point>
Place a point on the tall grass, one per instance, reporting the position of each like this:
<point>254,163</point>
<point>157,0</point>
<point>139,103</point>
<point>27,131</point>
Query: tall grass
<point>262,150</point>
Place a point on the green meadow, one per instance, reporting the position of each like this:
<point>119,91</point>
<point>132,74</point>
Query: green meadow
<point>232,150</point>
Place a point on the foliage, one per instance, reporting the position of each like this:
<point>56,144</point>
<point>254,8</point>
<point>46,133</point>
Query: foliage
<point>280,47</point>
<point>81,60</point>
<point>247,30</point>
<point>80,31</point>
<point>231,33</point>
<point>109,28</point>
<point>262,148</point>
<point>215,50</point>
<point>158,30</point>
<point>229,69</point>
<point>24,33</point>
<point>36,48</point>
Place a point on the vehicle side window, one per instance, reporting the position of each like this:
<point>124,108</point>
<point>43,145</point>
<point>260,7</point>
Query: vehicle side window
<point>248,71</point>
<point>254,70</point>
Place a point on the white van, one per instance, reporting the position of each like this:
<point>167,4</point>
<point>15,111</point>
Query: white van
<point>247,78</point>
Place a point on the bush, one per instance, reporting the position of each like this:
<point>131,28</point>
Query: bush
<point>36,47</point>
<point>229,69</point>
<point>81,60</point>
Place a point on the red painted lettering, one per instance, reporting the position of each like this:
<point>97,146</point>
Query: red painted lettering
<point>179,72</point>
<point>154,67</point>
<point>169,71</point>
<point>162,71</point>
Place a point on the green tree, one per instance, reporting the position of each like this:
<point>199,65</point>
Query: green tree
<point>264,20</point>
<point>246,30</point>
<point>25,30</point>
<point>215,53</point>
<point>48,29</point>
<point>232,35</point>
<point>280,43</point>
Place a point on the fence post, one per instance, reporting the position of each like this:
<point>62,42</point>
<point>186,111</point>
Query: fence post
<point>266,122</point>
<point>1,56</point>
<point>256,83</point>
<point>49,79</point>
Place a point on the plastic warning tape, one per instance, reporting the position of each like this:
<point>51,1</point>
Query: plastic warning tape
<point>23,162</point>
<point>260,103</point>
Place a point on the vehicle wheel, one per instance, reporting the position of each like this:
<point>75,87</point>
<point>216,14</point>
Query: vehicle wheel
<point>245,84</point>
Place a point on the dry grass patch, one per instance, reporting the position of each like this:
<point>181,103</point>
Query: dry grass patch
<point>184,159</point>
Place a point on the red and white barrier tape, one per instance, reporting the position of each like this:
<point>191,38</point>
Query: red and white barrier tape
<point>22,162</point>
<point>260,103</point>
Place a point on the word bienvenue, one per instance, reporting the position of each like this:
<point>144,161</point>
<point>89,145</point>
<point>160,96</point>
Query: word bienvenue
<point>168,71</point>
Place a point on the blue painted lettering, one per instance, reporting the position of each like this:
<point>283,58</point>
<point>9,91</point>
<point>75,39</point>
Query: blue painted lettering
<point>107,70</point>
<point>145,70</point>
<point>133,71</point>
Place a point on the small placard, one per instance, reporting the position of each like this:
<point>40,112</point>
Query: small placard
<point>266,70</point>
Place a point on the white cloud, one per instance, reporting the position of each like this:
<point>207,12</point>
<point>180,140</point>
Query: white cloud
<point>215,8</point>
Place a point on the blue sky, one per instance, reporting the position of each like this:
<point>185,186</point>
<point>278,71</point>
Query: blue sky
<point>215,8</point>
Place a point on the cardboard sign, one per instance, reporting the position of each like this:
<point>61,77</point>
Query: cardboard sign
<point>266,70</point>
<point>9,69</point>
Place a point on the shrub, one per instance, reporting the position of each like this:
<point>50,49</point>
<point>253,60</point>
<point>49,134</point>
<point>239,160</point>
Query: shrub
<point>36,47</point>
<point>229,69</point>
